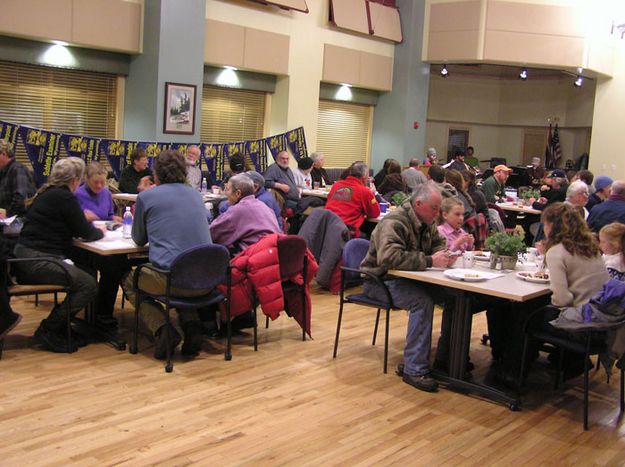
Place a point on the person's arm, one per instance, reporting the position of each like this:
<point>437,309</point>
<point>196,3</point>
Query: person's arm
<point>489,191</point>
<point>392,252</point>
<point>126,185</point>
<point>559,284</point>
<point>372,208</point>
<point>23,188</point>
<point>139,227</point>
<point>222,229</point>
<point>79,226</point>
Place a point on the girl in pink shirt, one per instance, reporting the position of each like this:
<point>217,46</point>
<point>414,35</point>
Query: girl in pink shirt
<point>452,212</point>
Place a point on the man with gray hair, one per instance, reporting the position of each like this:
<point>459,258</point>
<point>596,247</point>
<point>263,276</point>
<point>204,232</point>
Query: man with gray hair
<point>16,182</point>
<point>279,176</point>
<point>412,175</point>
<point>319,174</point>
<point>554,189</point>
<point>352,200</point>
<point>430,157</point>
<point>577,195</point>
<point>247,219</point>
<point>194,174</point>
<point>408,239</point>
<point>263,195</point>
<point>611,210</point>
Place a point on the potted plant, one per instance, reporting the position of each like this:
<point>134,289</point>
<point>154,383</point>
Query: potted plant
<point>531,195</point>
<point>504,249</point>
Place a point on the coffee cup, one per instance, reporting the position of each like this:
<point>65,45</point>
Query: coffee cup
<point>384,207</point>
<point>468,259</point>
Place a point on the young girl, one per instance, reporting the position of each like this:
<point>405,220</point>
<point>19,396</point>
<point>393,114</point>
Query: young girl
<point>612,244</point>
<point>452,212</point>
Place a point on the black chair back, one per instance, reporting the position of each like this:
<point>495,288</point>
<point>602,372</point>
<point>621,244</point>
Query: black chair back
<point>188,271</point>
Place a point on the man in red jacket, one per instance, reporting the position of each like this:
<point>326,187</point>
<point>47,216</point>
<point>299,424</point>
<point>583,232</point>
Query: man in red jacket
<point>352,200</point>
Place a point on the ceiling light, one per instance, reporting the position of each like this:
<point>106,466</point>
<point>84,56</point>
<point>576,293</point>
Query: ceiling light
<point>344,93</point>
<point>578,81</point>
<point>523,74</point>
<point>346,84</point>
<point>444,72</point>
<point>63,43</point>
<point>228,78</point>
<point>228,67</point>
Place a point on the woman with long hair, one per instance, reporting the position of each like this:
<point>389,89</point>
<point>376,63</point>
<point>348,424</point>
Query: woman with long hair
<point>455,179</point>
<point>393,181</point>
<point>53,220</point>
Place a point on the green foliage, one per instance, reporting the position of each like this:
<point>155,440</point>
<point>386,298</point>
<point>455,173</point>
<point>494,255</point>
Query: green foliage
<point>531,193</point>
<point>503,244</point>
<point>398,198</point>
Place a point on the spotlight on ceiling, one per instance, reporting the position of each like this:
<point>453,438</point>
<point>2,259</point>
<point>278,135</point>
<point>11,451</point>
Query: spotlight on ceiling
<point>444,72</point>
<point>523,74</point>
<point>578,81</point>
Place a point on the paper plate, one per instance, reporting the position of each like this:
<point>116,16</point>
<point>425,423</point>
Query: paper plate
<point>531,277</point>
<point>484,256</point>
<point>465,275</point>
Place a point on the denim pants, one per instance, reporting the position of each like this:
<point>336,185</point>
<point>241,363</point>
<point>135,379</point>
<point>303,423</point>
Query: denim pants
<point>419,300</point>
<point>83,291</point>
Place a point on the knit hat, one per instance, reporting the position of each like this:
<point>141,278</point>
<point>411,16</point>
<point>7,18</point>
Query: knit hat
<point>602,181</point>
<point>305,163</point>
<point>557,173</point>
<point>237,163</point>
<point>257,178</point>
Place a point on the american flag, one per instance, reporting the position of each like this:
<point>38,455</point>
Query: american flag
<point>556,152</point>
<point>549,152</point>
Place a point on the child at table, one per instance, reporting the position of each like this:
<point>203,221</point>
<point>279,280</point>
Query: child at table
<point>452,213</point>
<point>612,244</point>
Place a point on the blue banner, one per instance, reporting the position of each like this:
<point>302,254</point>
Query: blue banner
<point>214,157</point>
<point>42,148</point>
<point>8,132</point>
<point>257,152</point>
<point>297,142</point>
<point>117,153</point>
<point>276,144</point>
<point>88,149</point>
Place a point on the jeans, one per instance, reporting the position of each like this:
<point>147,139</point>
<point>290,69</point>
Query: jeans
<point>81,293</point>
<point>419,300</point>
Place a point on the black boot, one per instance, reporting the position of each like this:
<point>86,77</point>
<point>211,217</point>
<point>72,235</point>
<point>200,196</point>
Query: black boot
<point>160,347</point>
<point>8,321</point>
<point>193,336</point>
<point>53,337</point>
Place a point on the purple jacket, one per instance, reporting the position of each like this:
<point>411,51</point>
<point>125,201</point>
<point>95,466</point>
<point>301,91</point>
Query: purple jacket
<point>101,204</point>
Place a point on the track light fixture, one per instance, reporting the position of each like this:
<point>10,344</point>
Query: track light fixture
<point>523,74</point>
<point>578,81</point>
<point>444,72</point>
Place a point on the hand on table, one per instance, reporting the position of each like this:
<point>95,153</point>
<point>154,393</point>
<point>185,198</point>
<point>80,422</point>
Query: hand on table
<point>91,216</point>
<point>117,219</point>
<point>442,259</point>
<point>145,184</point>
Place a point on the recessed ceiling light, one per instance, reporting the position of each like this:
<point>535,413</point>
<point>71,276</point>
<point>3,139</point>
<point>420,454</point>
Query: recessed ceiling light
<point>523,74</point>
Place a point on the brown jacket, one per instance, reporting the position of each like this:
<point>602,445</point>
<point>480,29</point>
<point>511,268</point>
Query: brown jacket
<point>401,241</point>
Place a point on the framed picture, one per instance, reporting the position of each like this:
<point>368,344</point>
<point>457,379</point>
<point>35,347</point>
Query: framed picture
<point>179,109</point>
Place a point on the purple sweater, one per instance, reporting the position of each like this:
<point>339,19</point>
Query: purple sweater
<point>101,204</point>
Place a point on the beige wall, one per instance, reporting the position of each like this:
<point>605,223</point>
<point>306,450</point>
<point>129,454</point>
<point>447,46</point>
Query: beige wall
<point>497,112</point>
<point>296,100</point>
<point>608,130</point>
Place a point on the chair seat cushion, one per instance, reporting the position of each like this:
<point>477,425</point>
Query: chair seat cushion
<point>363,299</point>
<point>191,302</point>
<point>597,344</point>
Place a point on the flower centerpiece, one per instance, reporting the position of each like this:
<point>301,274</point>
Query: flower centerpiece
<point>504,248</point>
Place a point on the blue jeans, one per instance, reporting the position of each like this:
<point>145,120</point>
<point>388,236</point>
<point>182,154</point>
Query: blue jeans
<point>419,300</point>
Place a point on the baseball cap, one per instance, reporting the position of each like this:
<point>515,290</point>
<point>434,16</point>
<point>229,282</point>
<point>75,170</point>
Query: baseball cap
<point>557,173</point>
<point>602,181</point>
<point>501,167</point>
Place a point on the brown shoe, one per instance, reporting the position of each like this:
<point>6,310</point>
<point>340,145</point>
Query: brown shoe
<point>423,382</point>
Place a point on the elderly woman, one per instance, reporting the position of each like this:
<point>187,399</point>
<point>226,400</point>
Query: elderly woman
<point>577,195</point>
<point>52,221</point>
<point>94,198</point>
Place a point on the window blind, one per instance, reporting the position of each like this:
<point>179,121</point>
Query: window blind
<point>57,99</point>
<point>230,115</point>
<point>344,132</point>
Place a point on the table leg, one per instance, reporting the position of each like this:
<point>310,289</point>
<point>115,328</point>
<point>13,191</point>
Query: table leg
<point>460,339</point>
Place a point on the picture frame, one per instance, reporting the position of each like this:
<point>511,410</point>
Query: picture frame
<point>179,106</point>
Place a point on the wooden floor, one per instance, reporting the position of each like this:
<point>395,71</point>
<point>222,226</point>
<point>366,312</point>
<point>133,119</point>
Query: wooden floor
<point>288,404</point>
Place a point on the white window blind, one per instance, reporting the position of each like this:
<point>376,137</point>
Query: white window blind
<point>344,132</point>
<point>57,99</point>
<point>230,115</point>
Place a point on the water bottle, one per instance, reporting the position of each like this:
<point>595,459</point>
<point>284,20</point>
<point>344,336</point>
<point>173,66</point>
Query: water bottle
<point>127,230</point>
<point>204,185</point>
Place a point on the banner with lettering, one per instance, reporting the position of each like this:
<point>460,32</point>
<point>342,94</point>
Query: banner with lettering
<point>276,144</point>
<point>182,149</point>
<point>42,148</point>
<point>8,132</point>
<point>257,152</point>
<point>297,142</point>
<point>214,157</point>
<point>117,153</point>
<point>88,149</point>
<point>153,150</point>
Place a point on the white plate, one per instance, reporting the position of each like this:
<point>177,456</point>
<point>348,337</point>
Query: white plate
<point>465,275</point>
<point>529,277</point>
<point>485,256</point>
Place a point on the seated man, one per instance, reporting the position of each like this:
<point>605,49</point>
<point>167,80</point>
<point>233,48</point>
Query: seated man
<point>319,174</point>
<point>413,176</point>
<point>611,210</point>
<point>408,239</point>
<point>553,191</point>
<point>16,183</point>
<point>279,176</point>
<point>352,200</point>
<point>247,219</point>
<point>194,174</point>
<point>136,177</point>
<point>494,187</point>
<point>172,218</point>
<point>536,172</point>
<point>603,186</point>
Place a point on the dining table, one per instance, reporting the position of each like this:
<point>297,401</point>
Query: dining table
<point>515,207</point>
<point>506,285</point>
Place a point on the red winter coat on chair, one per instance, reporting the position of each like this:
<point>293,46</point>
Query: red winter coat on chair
<point>256,273</point>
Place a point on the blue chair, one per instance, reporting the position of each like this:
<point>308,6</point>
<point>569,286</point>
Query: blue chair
<point>199,268</point>
<point>354,252</point>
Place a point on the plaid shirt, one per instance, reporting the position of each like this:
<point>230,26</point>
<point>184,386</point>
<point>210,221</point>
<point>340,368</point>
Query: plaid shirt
<point>16,185</point>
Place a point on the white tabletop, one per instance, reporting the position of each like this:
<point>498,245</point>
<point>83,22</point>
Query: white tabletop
<point>320,192</point>
<point>508,286</point>
<point>208,197</point>
<point>509,206</point>
<point>112,244</point>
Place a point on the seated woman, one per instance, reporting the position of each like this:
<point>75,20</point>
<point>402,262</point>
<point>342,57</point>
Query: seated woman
<point>612,244</point>
<point>393,181</point>
<point>97,204</point>
<point>52,221</point>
